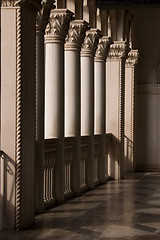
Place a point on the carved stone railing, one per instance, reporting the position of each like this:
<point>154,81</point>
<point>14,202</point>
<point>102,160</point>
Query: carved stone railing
<point>97,149</point>
<point>84,154</point>
<point>68,158</point>
<point>49,162</point>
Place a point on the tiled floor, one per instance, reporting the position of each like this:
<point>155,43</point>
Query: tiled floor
<point>127,209</point>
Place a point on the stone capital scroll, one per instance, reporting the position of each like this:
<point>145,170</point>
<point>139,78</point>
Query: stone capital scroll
<point>118,50</point>
<point>76,34</point>
<point>132,59</point>
<point>43,15</point>
<point>103,48</point>
<point>30,5</point>
<point>58,25</point>
<point>90,43</point>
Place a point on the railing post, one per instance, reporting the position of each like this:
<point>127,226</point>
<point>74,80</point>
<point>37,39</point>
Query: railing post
<point>73,44</point>
<point>54,90</point>
<point>87,97</point>
<point>100,102</point>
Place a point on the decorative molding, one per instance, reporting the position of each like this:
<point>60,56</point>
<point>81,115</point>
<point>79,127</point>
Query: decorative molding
<point>152,89</point>
<point>43,15</point>
<point>76,34</point>
<point>58,25</point>
<point>118,50</point>
<point>90,42</point>
<point>18,121</point>
<point>31,5</point>
<point>103,48</point>
<point>132,58</point>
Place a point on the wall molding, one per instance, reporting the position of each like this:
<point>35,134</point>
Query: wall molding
<point>148,89</point>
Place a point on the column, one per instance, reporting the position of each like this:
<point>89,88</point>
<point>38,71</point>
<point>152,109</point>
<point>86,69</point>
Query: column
<point>18,54</point>
<point>73,44</point>
<point>87,98</point>
<point>129,134</point>
<point>100,102</point>
<point>42,21</point>
<point>115,80</point>
<point>54,90</point>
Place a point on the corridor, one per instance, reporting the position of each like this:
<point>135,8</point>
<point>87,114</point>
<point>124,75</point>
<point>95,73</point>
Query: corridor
<point>126,209</point>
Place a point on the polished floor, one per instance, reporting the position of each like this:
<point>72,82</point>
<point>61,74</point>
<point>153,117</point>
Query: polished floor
<point>127,209</point>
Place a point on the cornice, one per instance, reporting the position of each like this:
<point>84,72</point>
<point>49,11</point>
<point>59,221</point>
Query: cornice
<point>103,48</point>
<point>132,59</point>
<point>90,42</point>
<point>30,5</point>
<point>58,25</point>
<point>76,34</point>
<point>118,50</point>
<point>43,15</point>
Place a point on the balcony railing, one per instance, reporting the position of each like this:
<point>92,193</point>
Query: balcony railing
<point>51,148</point>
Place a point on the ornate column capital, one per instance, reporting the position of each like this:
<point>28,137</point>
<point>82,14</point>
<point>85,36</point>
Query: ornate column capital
<point>31,5</point>
<point>132,59</point>
<point>43,15</point>
<point>90,42</point>
<point>103,48</point>
<point>58,25</point>
<point>118,50</point>
<point>76,34</point>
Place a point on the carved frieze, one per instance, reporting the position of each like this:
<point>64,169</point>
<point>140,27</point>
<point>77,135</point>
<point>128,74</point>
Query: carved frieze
<point>132,58</point>
<point>103,48</point>
<point>58,25</point>
<point>43,15</point>
<point>118,50</point>
<point>90,42</point>
<point>76,34</point>
<point>31,5</point>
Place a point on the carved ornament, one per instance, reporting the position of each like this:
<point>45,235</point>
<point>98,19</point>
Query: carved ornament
<point>132,59</point>
<point>43,15</point>
<point>90,42</point>
<point>58,25</point>
<point>103,48</point>
<point>31,5</point>
<point>118,50</point>
<point>76,34</point>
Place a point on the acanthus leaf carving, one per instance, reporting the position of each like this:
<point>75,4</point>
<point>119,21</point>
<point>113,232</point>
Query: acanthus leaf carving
<point>76,34</point>
<point>132,59</point>
<point>43,15</point>
<point>58,25</point>
<point>103,48</point>
<point>90,42</point>
<point>118,50</point>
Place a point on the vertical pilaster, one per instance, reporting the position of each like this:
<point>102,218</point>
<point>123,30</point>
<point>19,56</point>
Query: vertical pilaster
<point>54,90</point>
<point>73,44</point>
<point>115,86</point>
<point>42,21</point>
<point>129,133</point>
<point>87,97</point>
<point>100,102</point>
<point>18,112</point>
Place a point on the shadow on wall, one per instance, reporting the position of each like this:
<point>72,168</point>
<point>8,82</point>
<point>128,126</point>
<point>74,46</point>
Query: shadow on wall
<point>128,155</point>
<point>7,192</point>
